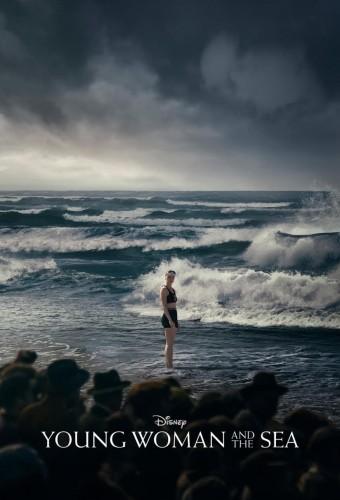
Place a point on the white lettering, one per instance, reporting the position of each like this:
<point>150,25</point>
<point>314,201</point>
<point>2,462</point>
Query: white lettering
<point>48,438</point>
<point>115,445</point>
<point>144,438</point>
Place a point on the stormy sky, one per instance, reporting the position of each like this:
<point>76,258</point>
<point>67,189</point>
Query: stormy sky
<point>169,94</point>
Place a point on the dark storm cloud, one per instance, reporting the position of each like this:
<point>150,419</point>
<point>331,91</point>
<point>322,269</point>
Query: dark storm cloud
<point>248,88</point>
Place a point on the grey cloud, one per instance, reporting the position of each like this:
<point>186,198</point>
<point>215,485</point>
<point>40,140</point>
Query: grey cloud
<point>120,129</point>
<point>270,78</point>
<point>11,48</point>
<point>99,95</point>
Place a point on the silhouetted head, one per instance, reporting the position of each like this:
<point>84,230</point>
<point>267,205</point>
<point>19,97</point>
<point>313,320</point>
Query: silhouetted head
<point>147,399</point>
<point>23,474</point>
<point>180,403</point>
<point>108,389</point>
<point>26,356</point>
<point>324,447</point>
<point>263,393</point>
<point>64,376</point>
<point>208,405</point>
<point>199,429</point>
<point>266,475</point>
<point>305,422</point>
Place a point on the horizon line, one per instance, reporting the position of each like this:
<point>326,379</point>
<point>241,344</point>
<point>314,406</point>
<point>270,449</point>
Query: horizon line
<point>169,191</point>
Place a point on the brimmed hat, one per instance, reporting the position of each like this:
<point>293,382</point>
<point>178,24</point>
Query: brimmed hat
<point>66,375</point>
<point>263,381</point>
<point>106,382</point>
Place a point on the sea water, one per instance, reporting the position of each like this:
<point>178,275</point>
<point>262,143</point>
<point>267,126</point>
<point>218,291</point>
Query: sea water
<point>257,284</point>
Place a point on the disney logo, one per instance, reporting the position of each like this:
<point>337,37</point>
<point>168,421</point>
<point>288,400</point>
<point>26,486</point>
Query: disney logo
<point>161,421</point>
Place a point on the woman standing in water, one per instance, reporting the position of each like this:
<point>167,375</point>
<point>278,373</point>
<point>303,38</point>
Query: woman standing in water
<point>169,318</point>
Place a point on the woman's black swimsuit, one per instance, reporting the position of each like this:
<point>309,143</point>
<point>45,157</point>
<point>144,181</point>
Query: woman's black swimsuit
<point>173,312</point>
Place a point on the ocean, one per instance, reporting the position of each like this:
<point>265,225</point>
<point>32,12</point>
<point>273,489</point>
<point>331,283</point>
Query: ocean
<point>257,284</point>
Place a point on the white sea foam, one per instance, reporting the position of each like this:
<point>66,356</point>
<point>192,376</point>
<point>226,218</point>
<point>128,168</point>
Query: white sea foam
<point>14,268</point>
<point>81,240</point>
<point>61,196</point>
<point>134,217</point>
<point>27,211</point>
<point>206,238</point>
<point>74,209</point>
<point>10,199</point>
<point>140,198</point>
<point>110,215</point>
<point>278,204</point>
<point>62,240</point>
<point>215,204</point>
<point>269,248</point>
<point>318,217</point>
<point>238,208</point>
<point>242,296</point>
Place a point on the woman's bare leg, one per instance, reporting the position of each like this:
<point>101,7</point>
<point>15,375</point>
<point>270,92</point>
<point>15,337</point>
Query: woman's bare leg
<point>170,335</point>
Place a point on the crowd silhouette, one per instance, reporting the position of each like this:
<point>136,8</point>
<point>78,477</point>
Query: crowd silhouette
<point>55,398</point>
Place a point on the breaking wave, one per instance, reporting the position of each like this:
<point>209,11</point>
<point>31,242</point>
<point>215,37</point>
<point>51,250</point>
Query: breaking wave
<point>242,296</point>
<point>26,211</point>
<point>10,199</point>
<point>15,268</point>
<point>272,247</point>
<point>250,205</point>
<point>61,240</point>
<point>139,217</point>
<point>110,216</point>
<point>64,240</point>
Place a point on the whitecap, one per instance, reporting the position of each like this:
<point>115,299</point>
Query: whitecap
<point>27,211</point>
<point>14,268</point>
<point>62,240</point>
<point>242,296</point>
<point>73,209</point>
<point>134,217</point>
<point>10,199</point>
<point>215,204</point>
<point>292,246</point>
<point>110,215</point>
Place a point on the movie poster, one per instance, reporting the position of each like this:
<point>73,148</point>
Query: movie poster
<point>169,250</point>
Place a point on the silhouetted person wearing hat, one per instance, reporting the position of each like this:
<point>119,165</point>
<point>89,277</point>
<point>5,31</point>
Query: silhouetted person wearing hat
<point>129,472</point>
<point>261,398</point>
<point>59,408</point>
<point>107,393</point>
